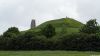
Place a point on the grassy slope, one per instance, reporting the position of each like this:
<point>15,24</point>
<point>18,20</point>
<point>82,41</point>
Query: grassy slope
<point>68,24</point>
<point>64,22</point>
<point>47,53</point>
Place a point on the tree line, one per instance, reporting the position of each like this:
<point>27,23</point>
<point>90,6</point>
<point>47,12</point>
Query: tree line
<point>87,39</point>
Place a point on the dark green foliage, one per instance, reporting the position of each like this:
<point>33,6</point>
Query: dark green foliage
<point>88,39</point>
<point>91,27</point>
<point>8,38</point>
<point>11,32</point>
<point>48,31</point>
<point>29,41</point>
<point>80,42</point>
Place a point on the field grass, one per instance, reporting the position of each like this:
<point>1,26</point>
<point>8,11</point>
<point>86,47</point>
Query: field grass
<point>48,53</point>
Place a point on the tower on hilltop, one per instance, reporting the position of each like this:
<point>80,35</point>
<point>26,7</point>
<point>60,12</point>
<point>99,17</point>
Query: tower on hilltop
<point>33,23</point>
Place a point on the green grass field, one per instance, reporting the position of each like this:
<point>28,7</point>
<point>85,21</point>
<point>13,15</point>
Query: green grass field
<point>48,53</point>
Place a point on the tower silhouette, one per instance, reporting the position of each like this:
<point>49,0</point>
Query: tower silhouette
<point>33,23</point>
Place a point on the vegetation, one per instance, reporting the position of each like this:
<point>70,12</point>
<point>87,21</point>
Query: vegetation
<point>69,25</point>
<point>11,32</point>
<point>48,31</point>
<point>91,27</point>
<point>48,53</point>
<point>63,22</point>
<point>54,35</point>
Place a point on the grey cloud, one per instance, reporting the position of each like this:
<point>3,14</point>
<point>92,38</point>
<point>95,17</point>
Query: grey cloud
<point>20,12</point>
<point>89,9</point>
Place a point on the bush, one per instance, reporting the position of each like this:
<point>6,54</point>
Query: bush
<point>80,41</point>
<point>48,31</point>
<point>91,27</point>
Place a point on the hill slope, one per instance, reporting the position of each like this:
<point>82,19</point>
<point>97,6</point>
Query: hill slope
<point>65,24</point>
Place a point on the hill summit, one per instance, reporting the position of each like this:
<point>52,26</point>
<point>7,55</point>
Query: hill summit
<point>68,24</point>
<point>63,22</point>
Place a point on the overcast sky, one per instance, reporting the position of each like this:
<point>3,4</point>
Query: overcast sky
<point>19,13</point>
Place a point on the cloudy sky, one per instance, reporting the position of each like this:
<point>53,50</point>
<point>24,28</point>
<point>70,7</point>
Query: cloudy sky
<point>19,13</point>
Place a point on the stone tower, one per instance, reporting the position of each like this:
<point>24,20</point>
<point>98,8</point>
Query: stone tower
<point>33,23</point>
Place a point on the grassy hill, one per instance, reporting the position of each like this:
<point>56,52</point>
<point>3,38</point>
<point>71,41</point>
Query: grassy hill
<point>64,24</point>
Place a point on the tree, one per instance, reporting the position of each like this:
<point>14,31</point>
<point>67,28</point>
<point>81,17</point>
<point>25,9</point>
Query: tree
<point>48,31</point>
<point>11,32</point>
<point>29,41</point>
<point>91,27</point>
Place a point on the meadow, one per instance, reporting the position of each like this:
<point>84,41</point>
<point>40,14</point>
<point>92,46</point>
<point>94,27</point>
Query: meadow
<point>48,53</point>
